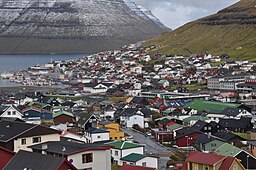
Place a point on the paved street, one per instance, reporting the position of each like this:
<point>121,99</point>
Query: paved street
<point>152,147</point>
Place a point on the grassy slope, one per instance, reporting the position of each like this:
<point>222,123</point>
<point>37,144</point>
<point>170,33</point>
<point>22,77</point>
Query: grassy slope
<point>237,41</point>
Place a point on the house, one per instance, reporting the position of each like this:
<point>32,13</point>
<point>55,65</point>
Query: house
<point>237,125</point>
<point>120,149</point>
<point>131,116</point>
<point>96,135</point>
<point>109,112</point>
<point>86,120</point>
<point>63,117</point>
<point>229,137</point>
<point>235,113</point>
<point>113,128</point>
<point>10,112</point>
<point>208,128</point>
<point>18,135</point>
<point>82,156</point>
<point>186,136</point>
<point>36,116</point>
<point>134,167</point>
<point>140,160</point>
<point>5,156</point>
<point>207,161</point>
<point>207,143</point>
<point>246,159</point>
<point>30,160</point>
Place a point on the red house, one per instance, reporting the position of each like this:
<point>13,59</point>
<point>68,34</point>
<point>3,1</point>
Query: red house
<point>63,117</point>
<point>186,137</point>
<point>5,156</point>
<point>133,167</point>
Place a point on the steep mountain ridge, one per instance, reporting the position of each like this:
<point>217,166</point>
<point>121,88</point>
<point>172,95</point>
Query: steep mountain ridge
<point>70,26</point>
<point>231,30</point>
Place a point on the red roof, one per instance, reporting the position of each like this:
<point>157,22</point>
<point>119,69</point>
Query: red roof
<point>133,167</point>
<point>227,163</point>
<point>7,150</point>
<point>204,158</point>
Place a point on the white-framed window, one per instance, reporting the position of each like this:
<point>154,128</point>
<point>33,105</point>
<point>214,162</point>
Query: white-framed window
<point>116,153</point>
<point>36,139</point>
<point>23,141</point>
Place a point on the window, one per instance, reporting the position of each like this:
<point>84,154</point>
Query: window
<point>23,141</point>
<point>36,139</point>
<point>98,137</point>
<point>206,167</point>
<point>8,113</point>
<point>144,164</point>
<point>116,153</point>
<point>87,158</point>
<point>14,113</point>
<point>235,167</point>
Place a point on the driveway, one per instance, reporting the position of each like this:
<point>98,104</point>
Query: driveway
<point>152,147</point>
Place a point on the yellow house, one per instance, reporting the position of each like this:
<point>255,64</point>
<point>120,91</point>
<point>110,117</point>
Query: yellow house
<point>114,130</point>
<point>207,161</point>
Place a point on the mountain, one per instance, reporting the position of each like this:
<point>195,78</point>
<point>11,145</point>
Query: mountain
<point>68,26</point>
<point>231,31</point>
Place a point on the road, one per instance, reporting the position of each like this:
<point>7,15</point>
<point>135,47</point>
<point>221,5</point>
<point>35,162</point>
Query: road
<point>152,147</point>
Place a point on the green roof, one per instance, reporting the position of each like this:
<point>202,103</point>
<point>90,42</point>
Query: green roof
<point>133,157</point>
<point>56,114</point>
<point>174,126</point>
<point>124,145</point>
<point>188,119</point>
<point>202,105</point>
<point>227,150</point>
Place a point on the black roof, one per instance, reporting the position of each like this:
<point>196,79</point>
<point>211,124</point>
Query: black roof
<point>231,111</point>
<point>227,136</point>
<point>68,147</point>
<point>33,161</point>
<point>199,125</point>
<point>236,123</point>
<point>11,129</point>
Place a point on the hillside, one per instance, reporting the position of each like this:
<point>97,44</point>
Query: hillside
<point>231,30</point>
<point>66,26</point>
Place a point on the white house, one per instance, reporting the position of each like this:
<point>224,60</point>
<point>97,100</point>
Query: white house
<point>19,135</point>
<point>121,149</point>
<point>10,112</point>
<point>96,135</point>
<point>82,156</point>
<point>140,160</point>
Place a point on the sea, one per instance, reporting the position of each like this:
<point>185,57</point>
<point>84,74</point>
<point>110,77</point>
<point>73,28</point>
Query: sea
<point>9,63</point>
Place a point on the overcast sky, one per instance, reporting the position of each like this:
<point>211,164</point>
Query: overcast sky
<point>174,13</point>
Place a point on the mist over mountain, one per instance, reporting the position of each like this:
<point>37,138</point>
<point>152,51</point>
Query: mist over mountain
<point>66,26</point>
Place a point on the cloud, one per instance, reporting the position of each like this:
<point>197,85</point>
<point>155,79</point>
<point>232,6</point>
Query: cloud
<point>174,13</point>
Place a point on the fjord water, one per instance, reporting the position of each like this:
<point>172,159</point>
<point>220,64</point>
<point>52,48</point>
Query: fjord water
<point>20,62</point>
<point>9,63</point>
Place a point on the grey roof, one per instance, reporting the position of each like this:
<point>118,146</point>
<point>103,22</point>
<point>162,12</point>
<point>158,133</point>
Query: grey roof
<point>94,130</point>
<point>231,111</point>
<point>70,147</point>
<point>11,129</point>
<point>33,161</point>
